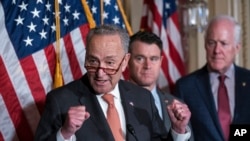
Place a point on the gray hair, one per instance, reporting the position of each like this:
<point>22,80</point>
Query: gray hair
<point>110,30</point>
<point>237,26</point>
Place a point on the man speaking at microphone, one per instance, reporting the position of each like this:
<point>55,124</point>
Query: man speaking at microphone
<point>99,106</point>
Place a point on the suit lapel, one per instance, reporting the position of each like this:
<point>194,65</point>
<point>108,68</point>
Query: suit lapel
<point>238,93</point>
<point>97,116</point>
<point>128,106</point>
<point>164,102</point>
<point>128,102</point>
<point>241,89</point>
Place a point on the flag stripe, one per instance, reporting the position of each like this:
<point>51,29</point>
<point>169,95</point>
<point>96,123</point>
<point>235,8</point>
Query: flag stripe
<point>176,50</point>
<point>160,17</point>
<point>174,18</point>
<point>7,129</point>
<point>76,51</point>
<point>17,83</point>
<point>79,46</point>
<point>33,80</point>
<point>77,65</point>
<point>165,68</point>
<point>177,61</point>
<point>73,62</point>
<point>28,56</point>
<point>84,31</point>
<point>167,65</point>
<point>157,14</point>
<point>162,82</point>
<point>13,106</point>
<point>66,71</point>
<point>1,137</point>
<point>49,70</point>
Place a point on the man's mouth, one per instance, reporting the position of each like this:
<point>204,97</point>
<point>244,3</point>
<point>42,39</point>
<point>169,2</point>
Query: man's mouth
<point>100,82</point>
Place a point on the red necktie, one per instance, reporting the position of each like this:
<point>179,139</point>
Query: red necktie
<point>113,118</point>
<point>223,108</point>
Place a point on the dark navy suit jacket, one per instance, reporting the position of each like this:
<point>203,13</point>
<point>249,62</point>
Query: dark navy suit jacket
<point>195,90</point>
<point>138,105</point>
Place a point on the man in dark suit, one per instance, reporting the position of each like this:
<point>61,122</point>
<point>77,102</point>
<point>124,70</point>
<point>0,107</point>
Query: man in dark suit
<point>201,89</point>
<point>80,110</point>
<point>144,66</point>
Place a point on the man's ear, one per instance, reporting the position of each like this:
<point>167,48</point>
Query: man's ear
<point>238,47</point>
<point>125,61</point>
<point>161,58</point>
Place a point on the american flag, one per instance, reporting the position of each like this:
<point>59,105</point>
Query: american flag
<point>106,12</point>
<point>161,17</point>
<point>28,58</point>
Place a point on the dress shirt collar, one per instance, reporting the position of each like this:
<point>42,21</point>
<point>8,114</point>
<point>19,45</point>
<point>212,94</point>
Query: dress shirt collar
<point>115,92</point>
<point>154,91</point>
<point>229,73</point>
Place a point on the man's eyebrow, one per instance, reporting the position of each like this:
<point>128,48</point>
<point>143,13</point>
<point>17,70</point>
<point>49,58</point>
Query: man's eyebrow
<point>139,55</point>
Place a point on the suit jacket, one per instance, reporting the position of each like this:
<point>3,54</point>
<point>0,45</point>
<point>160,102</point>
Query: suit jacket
<point>166,99</point>
<point>195,90</point>
<point>138,105</point>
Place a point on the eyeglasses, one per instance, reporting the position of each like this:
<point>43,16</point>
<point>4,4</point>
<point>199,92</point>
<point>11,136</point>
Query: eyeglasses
<point>109,71</point>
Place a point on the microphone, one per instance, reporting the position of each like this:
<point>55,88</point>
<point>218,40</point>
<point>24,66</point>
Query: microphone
<point>132,131</point>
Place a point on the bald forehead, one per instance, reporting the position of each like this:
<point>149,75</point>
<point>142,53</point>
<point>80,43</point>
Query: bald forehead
<point>105,45</point>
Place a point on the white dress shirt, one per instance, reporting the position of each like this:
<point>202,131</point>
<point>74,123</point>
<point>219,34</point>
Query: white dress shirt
<point>157,101</point>
<point>118,105</point>
<point>176,136</point>
<point>117,99</point>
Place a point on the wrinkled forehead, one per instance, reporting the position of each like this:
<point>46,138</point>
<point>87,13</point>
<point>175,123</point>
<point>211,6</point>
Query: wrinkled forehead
<point>105,45</point>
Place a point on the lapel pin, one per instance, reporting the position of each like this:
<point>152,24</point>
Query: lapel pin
<point>131,103</point>
<point>244,84</point>
<point>166,101</point>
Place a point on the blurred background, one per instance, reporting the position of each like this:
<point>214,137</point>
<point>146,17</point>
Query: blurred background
<point>193,38</point>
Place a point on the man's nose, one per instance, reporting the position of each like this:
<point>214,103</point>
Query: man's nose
<point>147,63</point>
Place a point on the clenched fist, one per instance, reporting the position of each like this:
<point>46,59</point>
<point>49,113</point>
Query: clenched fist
<point>179,115</point>
<point>75,118</point>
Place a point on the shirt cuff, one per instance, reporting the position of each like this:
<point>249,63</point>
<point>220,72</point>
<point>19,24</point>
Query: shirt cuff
<point>59,137</point>
<point>181,137</point>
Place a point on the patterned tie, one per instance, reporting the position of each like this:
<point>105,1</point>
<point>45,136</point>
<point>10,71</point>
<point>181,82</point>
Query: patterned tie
<point>113,118</point>
<point>223,108</point>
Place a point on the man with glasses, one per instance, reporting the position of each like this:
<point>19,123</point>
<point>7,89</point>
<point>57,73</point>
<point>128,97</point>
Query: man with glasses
<point>100,106</point>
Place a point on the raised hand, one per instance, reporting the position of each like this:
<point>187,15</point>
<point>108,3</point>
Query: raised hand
<point>179,115</point>
<point>75,118</point>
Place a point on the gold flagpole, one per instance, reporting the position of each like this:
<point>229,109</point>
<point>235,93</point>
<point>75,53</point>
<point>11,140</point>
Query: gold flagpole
<point>124,17</point>
<point>88,14</point>
<point>58,80</point>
